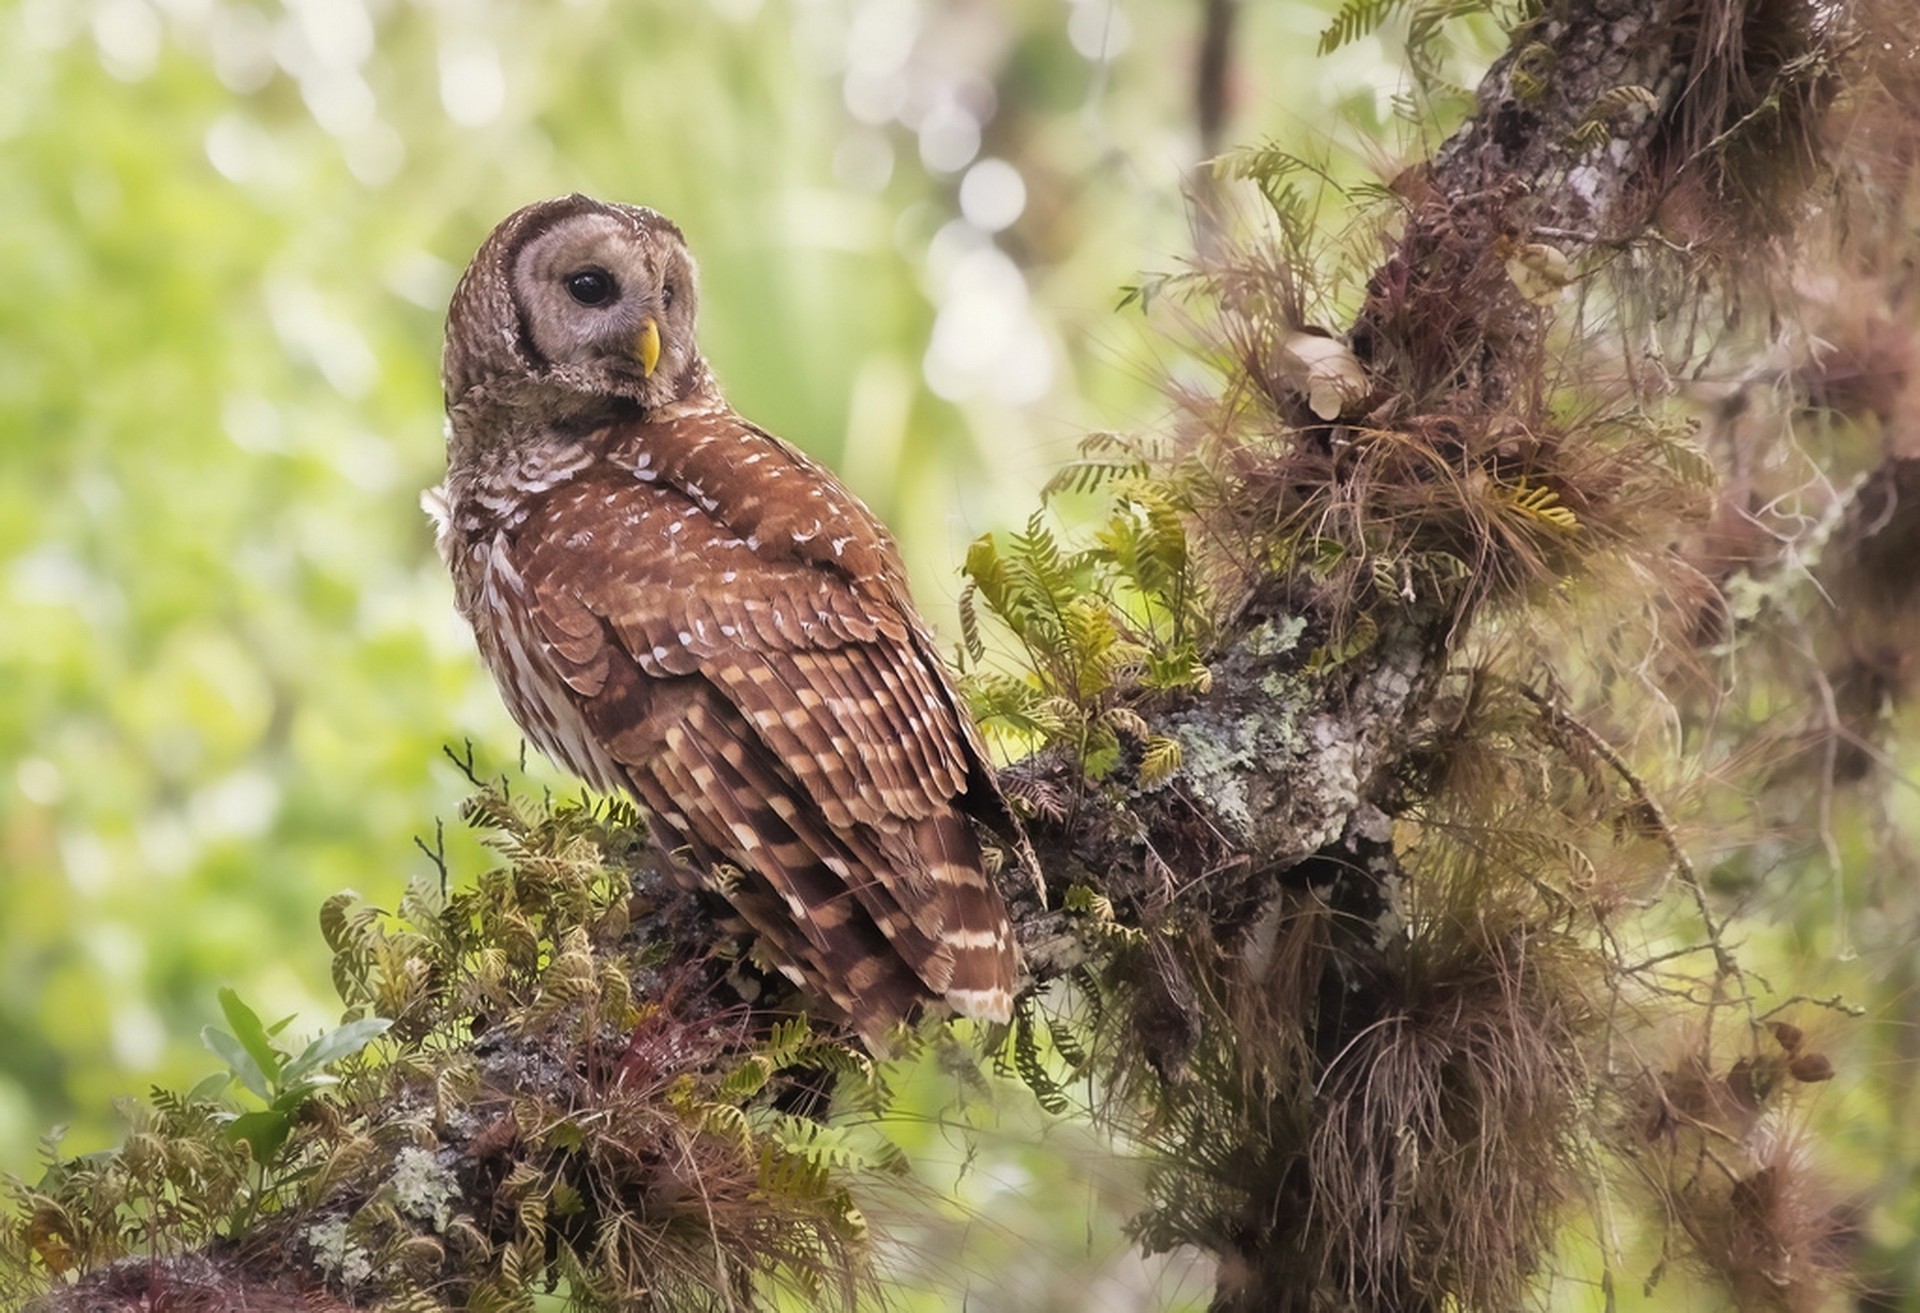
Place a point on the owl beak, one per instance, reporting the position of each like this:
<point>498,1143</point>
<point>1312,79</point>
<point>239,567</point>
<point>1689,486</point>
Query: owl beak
<point>646,346</point>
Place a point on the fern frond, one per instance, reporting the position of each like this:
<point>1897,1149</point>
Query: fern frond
<point>1105,458</point>
<point>1356,18</point>
<point>1542,505</point>
<point>1160,761</point>
<point>1596,125</point>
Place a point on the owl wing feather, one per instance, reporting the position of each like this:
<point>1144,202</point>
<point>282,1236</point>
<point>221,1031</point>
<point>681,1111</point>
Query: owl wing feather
<point>778,713</point>
<point>776,494</point>
<point>712,788</point>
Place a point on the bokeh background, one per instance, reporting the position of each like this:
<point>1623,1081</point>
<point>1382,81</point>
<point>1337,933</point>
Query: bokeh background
<point>228,657</point>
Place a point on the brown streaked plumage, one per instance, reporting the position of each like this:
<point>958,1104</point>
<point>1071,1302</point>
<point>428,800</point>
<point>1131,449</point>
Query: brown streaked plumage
<point>676,603</point>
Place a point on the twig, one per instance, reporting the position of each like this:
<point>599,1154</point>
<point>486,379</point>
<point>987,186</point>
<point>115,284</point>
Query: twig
<point>1836,1003</point>
<point>463,762</point>
<point>438,853</point>
<point>1560,718</point>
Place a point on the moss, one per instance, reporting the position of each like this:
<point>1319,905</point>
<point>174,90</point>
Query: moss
<point>336,1254</point>
<point>1215,757</point>
<point>423,1188</point>
<point>1228,746</point>
<point>1275,638</point>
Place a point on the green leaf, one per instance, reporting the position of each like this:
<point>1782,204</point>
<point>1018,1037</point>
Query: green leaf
<point>290,1097</point>
<point>252,1035</point>
<point>746,1080</point>
<point>566,1201</point>
<point>334,1045</point>
<point>1159,762</point>
<point>335,927</point>
<point>1356,19</point>
<point>264,1132</point>
<point>232,1052</point>
<point>210,1088</point>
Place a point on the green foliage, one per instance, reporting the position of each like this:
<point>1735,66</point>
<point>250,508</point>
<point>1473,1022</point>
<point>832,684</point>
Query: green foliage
<point>632,1124</point>
<point>1427,54</point>
<point>1097,908</point>
<point>282,1080</point>
<point>1271,168</point>
<point>1045,1054</point>
<point>177,1178</point>
<point>523,935</point>
<point>1356,19</point>
<point>1359,18</point>
<point>1101,626</point>
<point>192,1168</point>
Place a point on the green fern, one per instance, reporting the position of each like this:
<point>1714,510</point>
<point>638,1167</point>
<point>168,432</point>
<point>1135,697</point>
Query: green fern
<point>1099,626</point>
<point>1097,912</point>
<point>1356,18</point>
<point>1360,18</point>
<point>1105,458</point>
<point>616,1170</point>
<point>1026,1057</point>
<point>1276,174</point>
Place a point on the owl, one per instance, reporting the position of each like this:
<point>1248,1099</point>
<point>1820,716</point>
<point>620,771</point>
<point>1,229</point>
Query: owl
<point>678,604</point>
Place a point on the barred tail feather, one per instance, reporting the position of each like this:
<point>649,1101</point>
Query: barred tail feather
<point>975,925</point>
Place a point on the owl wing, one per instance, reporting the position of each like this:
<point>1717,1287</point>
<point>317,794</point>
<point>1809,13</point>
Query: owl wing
<point>785,502</point>
<point>776,716</point>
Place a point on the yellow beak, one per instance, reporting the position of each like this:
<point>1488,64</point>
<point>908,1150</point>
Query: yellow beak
<point>646,347</point>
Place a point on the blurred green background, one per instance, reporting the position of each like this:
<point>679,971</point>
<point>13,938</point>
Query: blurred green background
<point>228,657</point>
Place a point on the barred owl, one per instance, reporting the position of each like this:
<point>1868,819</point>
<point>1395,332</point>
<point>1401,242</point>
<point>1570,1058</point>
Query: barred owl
<point>678,604</point>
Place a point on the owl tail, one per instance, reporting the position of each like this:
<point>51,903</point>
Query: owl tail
<point>974,925</point>
<point>878,921</point>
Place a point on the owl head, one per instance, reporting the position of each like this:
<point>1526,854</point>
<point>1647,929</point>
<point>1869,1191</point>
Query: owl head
<point>578,296</point>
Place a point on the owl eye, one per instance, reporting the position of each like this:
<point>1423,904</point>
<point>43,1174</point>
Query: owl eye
<point>590,286</point>
<point>666,297</point>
